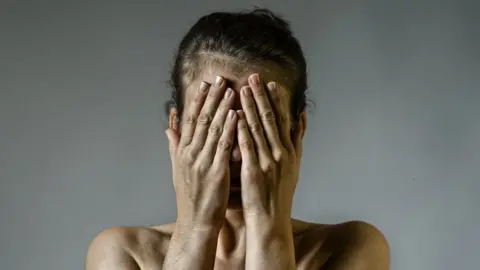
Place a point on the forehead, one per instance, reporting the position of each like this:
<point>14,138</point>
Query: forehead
<point>238,77</point>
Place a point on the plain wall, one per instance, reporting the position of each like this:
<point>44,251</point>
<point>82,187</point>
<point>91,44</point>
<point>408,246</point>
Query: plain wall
<point>394,138</point>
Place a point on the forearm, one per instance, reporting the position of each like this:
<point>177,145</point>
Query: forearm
<point>191,248</point>
<point>270,248</point>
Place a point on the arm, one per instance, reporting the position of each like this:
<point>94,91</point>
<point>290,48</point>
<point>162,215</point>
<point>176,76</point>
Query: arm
<point>192,248</point>
<point>271,156</point>
<point>270,166</point>
<point>200,160</point>
<point>272,247</point>
<point>200,156</point>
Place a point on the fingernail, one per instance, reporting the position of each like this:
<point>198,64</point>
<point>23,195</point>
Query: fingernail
<point>246,91</point>
<point>218,81</point>
<point>228,93</point>
<point>255,79</point>
<point>231,114</point>
<point>272,86</point>
<point>203,87</point>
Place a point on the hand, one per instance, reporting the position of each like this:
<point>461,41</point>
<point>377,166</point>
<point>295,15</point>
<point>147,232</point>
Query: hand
<point>200,156</point>
<point>269,174</point>
<point>270,160</point>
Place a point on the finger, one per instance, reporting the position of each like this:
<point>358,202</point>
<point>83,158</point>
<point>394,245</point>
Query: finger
<point>173,140</point>
<point>207,113</point>
<point>176,123</point>
<point>249,158</point>
<point>297,140</point>
<point>173,119</point>
<point>285,129</point>
<point>192,114</point>
<point>265,111</point>
<point>254,125</point>
<point>280,105</point>
<point>225,144</point>
<point>250,168</point>
<point>217,128</point>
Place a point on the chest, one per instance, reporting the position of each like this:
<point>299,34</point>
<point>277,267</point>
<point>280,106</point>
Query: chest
<point>305,260</point>
<point>309,255</point>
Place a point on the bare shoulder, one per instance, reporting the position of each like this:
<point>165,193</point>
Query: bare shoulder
<point>128,248</point>
<point>363,246</point>
<point>349,245</point>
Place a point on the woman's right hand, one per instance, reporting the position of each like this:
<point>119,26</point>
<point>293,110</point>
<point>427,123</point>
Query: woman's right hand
<point>200,156</point>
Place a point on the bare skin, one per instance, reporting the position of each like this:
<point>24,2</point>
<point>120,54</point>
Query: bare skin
<point>353,245</point>
<point>246,224</point>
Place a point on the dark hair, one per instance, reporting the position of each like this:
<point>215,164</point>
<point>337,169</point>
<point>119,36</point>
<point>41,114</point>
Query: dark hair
<point>257,36</point>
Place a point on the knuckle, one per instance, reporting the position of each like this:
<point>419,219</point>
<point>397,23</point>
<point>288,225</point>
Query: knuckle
<point>215,130</point>
<point>191,119</point>
<point>269,167</point>
<point>259,92</point>
<point>189,157</point>
<point>204,119</point>
<point>246,144</point>
<point>268,116</point>
<point>242,126</point>
<point>255,127</point>
<point>279,155</point>
<point>224,144</point>
<point>200,167</point>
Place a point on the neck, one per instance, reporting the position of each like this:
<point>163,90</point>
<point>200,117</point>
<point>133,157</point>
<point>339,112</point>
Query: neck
<point>231,239</point>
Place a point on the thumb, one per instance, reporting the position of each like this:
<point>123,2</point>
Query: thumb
<point>173,139</point>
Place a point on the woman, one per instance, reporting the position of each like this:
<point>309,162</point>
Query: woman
<point>235,138</point>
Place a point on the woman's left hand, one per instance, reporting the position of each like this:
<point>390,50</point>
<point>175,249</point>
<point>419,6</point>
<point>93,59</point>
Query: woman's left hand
<point>270,161</point>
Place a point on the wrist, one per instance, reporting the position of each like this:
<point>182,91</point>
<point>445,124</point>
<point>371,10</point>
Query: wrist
<point>267,225</point>
<point>202,228</point>
<point>196,222</point>
<point>274,234</point>
<point>275,246</point>
<point>194,237</point>
<point>271,232</point>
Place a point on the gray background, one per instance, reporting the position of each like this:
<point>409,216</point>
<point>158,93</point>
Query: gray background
<point>394,139</point>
